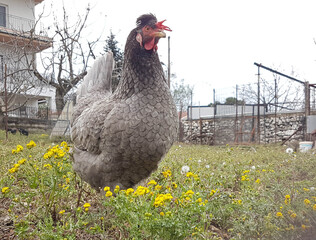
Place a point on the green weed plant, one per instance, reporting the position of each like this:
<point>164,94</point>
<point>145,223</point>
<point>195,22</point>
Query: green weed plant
<point>198,192</point>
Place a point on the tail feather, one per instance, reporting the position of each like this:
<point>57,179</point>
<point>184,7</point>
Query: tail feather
<point>98,78</point>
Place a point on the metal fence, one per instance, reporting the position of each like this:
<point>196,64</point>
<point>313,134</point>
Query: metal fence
<point>251,112</point>
<point>30,112</point>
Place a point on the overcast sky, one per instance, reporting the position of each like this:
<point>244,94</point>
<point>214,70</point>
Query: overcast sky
<point>215,43</point>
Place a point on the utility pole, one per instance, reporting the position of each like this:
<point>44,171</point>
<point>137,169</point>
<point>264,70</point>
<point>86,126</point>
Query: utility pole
<point>5,102</point>
<point>169,61</point>
<point>258,115</point>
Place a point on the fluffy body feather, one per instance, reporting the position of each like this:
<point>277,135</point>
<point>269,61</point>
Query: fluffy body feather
<point>119,138</point>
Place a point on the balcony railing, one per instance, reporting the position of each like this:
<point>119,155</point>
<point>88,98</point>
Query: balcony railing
<point>16,23</point>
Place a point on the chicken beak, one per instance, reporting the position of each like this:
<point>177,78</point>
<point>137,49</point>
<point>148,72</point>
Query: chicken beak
<point>159,34</point>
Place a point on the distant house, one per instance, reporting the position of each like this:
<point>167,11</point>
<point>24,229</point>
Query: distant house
<point>21,38</point>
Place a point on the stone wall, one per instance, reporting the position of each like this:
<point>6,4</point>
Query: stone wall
<point>31,125</point>
<point>244,130</point>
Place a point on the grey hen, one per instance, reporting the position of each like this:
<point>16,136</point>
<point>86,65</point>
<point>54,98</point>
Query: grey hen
<point>119,138</point>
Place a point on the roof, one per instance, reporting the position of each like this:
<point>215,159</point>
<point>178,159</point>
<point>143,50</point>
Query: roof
<point>38,1</point>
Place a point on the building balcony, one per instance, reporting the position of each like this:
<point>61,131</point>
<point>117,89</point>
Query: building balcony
<point>19,31</point>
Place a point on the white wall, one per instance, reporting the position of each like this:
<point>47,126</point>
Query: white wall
<point>21,8</point>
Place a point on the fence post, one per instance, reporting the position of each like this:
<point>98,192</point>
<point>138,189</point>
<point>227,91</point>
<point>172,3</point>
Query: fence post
<point>258,114</point>
<point>307,106</point>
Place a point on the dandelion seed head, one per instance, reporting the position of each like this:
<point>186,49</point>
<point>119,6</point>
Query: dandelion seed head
<point>185,169</point>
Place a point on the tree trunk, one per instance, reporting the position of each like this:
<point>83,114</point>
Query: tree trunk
<point>59,99</point>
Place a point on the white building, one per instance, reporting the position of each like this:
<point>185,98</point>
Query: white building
<point>21,38</point>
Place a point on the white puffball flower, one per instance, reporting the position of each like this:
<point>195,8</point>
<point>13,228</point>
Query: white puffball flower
<point>312,189</point>
<point>207,166</point>
<point>185,169</point>
<point>224,163</point>
<point>289,150</point>
<point>199,161</point>
<point>253,167</point>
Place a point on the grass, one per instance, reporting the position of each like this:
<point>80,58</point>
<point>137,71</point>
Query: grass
<point>198,192</point>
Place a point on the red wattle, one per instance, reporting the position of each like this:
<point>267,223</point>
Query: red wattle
<point>150,45</point>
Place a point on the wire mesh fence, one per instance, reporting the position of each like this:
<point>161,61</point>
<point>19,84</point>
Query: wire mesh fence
<point>275,108</point>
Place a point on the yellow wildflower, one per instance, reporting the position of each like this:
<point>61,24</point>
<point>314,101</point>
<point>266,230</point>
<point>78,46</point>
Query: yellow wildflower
<point>293,215</point>
<point>162,214</point>
<point>106,189</point>
<point>314,207</point>
<point>13,151</point>
<point>279,214</point>
<point>158,187</point>
<point>86,206</point>
<point>307,202</point>
<point>108,194</point>
<point>19,148</point>
<point>129,191</point>
<point>287,196</point>
<point>189,192</point>
<point>174,185</point>
<point>189,174</point>
<point>31,144</point>
<point>117,189</point>
<point>5,190</point>
<point>62,212</point>
<point>306,189</point>
<point>303,226</point>
<point>212,192</point>
<point>258,181</point>
<point>152,182</point>
<point>199,200</point>
<point>161,199</point>
<point>167,174</point>
<point>141,191</point>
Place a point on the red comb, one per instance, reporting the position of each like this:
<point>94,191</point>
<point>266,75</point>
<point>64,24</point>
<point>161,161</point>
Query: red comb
<point>163,27</point>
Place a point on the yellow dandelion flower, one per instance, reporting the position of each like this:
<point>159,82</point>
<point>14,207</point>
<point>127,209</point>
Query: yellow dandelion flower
<point>13,151</point>
<point>189,192</point>
<point>293,215</point>
<point>258,181</point>
<point>162,214</point>
<point>62,212</point>
<point>5,190</point>
<point>141,191</point>
<point>117,189</point>
<point>31,144</point>
<point>108,194</point>
<point>306,189</point>
<point>199,200</point>
<point>158,187</point>
<point>189,174</point>
<point>106,189</point>
<point>212,192</point>
<point>86,205</point>
<point>129,191</point>
<point>279,214</point>
<point>174,185</point>
<point>287,196</point>
<point>167,173</point>
<point>152,182</point>
<point>307,202</point>
<point>314,207</point>
<point>303,226</point>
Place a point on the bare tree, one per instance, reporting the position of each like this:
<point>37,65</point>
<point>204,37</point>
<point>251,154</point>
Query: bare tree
<point>66,64</point>
<point>17,60</point>
<point>276,92</point>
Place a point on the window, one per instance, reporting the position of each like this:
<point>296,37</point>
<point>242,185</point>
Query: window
<point>3,16</point>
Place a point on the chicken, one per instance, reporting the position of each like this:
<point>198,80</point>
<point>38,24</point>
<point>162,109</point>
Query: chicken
<point>120,138</point>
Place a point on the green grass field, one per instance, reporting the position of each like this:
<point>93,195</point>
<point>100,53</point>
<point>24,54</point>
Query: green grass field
<point>198,192</point>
